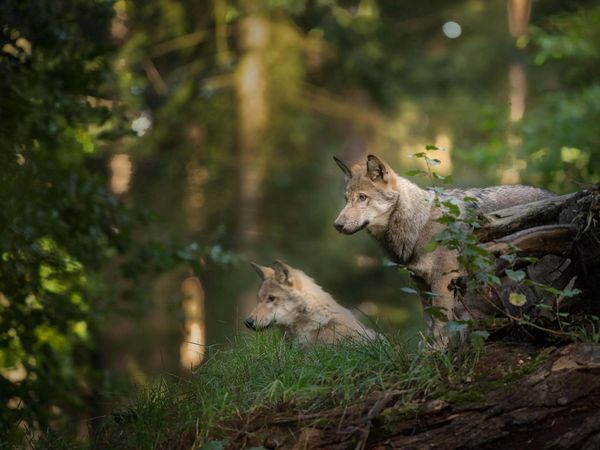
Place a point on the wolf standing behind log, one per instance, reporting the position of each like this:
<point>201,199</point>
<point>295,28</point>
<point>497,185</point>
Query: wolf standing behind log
<point>401,216</point>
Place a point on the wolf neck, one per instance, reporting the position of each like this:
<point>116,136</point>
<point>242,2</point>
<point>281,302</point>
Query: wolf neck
<point>321,309</point>
<point>407,219</point>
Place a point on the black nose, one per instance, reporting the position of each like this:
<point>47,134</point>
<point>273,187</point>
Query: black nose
<point>338,225</point>
<point>249,323</point>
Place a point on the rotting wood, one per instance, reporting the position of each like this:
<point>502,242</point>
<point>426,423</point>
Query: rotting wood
<point>507,221</point>
<point>563,233</point>
<point>545,239</point>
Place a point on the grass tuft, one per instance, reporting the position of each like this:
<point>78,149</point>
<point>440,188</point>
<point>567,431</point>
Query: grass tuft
<point>264,373</point>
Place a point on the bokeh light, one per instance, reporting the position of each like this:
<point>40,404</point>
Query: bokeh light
<point>452,30</point>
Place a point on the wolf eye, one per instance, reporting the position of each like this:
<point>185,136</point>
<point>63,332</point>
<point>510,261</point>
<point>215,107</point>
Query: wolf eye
<point>362,197</point>
<point>271,298</point>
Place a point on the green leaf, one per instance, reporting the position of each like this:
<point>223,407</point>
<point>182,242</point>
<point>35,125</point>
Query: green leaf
<point>405,271</point>
<point>415,172</point>
<point>431,246</point>
<point>409,290</point>
<point>510,258</point>
<point>437,312</point>
<point>480,334</point>
<point>431,294</point>
<point>432,147</point>
<point>418,155</point>
<point>214,445</point>
<point>480,250</point>
<point>570,292</point>
<point>517,299</point>
<point>445,220</point>
<point>515,275</point>
<point>451,207</point>
<point>529,259</point>
<point>455,326</point>
<point>432,161</point>
<point>438,176</point>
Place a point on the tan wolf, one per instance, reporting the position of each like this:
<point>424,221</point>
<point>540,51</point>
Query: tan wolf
<point>401,216</point>
<point>291,300</point>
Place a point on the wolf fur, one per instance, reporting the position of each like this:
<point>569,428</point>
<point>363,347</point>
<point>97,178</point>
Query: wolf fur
<point>401,217</point>
<point>291,300</point>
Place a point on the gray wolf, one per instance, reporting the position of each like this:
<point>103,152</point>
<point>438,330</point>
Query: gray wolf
<point>401,217</point>
<point>291,300</point>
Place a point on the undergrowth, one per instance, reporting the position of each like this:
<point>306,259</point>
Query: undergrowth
<point>264,372</point>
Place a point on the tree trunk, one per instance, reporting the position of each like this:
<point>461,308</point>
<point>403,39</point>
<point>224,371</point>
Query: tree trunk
<point>253,114</point>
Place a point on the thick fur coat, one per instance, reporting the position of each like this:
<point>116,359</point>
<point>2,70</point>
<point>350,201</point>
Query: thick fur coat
<point>294,302</point>
<point>402,218</point>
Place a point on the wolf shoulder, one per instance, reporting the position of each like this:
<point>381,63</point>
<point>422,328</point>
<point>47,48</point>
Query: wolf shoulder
<point>493,198</point>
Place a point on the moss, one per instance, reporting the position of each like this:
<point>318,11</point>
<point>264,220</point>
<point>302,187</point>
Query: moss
<point>479,390</point>
<point>391,416</point>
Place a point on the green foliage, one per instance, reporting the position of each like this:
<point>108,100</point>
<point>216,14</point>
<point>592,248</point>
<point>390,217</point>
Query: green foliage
<point>559,132</point>
<point>478,265</point>
<point>59,222</point>
<point>264,373</point>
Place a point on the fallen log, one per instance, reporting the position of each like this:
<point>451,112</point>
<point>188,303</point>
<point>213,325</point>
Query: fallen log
<point>506,221</point>
<point>563,234</point>
<point>555,407</point>
<point>545,239</point>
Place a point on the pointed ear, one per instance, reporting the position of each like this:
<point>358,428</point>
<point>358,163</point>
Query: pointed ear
<point>347,171</point>
<point>376,169</point>
<point>283,273</point>
<point>263,272</point>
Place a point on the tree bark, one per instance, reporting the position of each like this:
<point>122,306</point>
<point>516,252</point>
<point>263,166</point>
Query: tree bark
<point>555,407</point>
<point>506,221</point>
<point>564,234</point>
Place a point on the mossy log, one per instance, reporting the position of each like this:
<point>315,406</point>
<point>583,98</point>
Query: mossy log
<point>550,402</point>
<point>563,233</point>
<point>555,407</point>
<point>507,221</point>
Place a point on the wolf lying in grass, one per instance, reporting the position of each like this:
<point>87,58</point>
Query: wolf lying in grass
<point>402,217</point>
<point>291,300</point>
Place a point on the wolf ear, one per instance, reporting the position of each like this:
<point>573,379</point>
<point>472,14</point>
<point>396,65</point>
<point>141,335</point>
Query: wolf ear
<point>283,273</point>
<point>347,171</point>
<point>376,169</point>
<point>263,272</point>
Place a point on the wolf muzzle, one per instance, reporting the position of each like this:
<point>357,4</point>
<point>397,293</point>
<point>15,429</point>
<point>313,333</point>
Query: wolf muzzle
<point>340,227</point>
<point>250,323</point>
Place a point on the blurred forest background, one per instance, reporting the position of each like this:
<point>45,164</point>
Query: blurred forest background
<point>150,149</point>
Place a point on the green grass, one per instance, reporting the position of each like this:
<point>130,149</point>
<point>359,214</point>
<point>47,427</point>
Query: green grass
<point>263,372</point>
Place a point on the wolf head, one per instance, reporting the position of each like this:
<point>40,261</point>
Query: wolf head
<point>280,300</point>
<point>370,195</point>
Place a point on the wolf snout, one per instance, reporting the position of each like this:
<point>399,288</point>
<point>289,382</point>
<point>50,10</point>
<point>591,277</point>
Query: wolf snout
<point>342,227</point>
<point>250,323</point>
